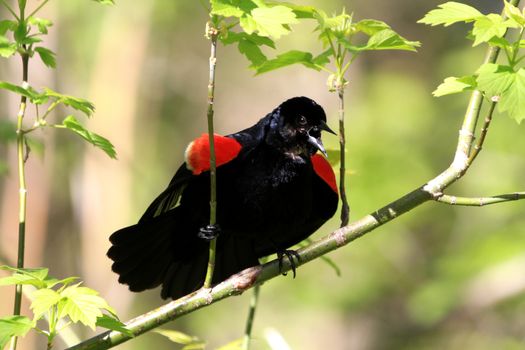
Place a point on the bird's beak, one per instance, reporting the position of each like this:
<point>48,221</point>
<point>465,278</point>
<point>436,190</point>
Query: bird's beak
<point>324,126</point>
<point>317,144</point>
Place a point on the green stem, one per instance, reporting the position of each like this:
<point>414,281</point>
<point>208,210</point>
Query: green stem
<point>345,209</point>
<point>22,192</point>
<point>10,10</point>
<point>213,34</point>
<point>38,8</point>
<point>251,316</point>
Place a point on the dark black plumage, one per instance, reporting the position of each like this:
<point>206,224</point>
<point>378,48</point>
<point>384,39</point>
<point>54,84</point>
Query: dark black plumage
<point>269,197</point>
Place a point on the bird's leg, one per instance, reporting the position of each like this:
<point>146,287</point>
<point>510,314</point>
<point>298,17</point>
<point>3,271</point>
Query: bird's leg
<point>209,232</point>
<point>290,254</point>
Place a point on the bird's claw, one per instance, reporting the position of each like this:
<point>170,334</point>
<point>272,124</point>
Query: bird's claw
<point>290,254</point>
<point>209,232</point>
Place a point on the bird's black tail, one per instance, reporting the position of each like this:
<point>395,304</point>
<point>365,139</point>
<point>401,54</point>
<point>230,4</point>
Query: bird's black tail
<point>157,251</point>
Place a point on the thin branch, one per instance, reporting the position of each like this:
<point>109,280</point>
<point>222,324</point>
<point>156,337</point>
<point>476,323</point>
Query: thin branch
<point>251,316</point>
<point>345,209</point>
<point>38,8</point>
<point>10,10</point>
<point>484,129</point>
<point>480,201</point>
<point>22,192</point>
<point>212,33</point>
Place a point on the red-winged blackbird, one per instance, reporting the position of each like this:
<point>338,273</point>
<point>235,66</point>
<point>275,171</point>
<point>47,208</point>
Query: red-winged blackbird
<point>273,191</point>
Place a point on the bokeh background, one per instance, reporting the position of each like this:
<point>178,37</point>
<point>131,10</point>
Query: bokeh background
<point>440,277</point>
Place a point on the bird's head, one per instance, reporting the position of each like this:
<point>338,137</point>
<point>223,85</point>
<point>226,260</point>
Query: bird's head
<point>295,128</point>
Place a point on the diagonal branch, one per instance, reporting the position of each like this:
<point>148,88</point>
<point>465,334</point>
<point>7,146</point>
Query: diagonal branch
<point>244,280</point>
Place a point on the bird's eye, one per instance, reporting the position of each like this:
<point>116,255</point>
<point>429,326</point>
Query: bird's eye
<point>301,120</point>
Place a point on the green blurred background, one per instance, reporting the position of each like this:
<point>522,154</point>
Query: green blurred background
<point>440,277</point>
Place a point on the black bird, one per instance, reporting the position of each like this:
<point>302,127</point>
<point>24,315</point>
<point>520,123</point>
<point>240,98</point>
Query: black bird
<point>273,191</point>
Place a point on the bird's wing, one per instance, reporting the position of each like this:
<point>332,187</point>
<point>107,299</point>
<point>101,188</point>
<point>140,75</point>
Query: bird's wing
<point>197,161</point>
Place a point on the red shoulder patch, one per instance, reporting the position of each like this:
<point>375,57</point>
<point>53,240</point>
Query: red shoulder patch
<point>197,153</point>
<point>324,170</point>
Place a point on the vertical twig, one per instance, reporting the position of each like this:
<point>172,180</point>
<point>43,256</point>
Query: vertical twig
<point>212,33</point>
<point>251,316</point>
<point>22,191</point>
<point>345,209</point>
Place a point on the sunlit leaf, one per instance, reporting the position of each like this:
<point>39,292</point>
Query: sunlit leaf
<point>28,91</point>
<point>233,345</point>
<point>286,59</point>
<point>7,48</point>
<point>41,23</point>
<point>495,79</point>
<point>13,326</point>
<point>387,39</point>
<point>226,8</point>
<point>450,13</point>
<point>371,26</point>
<point>101,142</point>
<point>6,25</point>
<point>512,100</point>
<point>453,85</point>
<point>43,300</point>
<point>75,102</point>
<point>487,27</point>
<point>47,56</point>
<point>514,13</point>
<point>272,21</point>
<point>110,322</point>
<point>82,305</point>
<point>36,277</point>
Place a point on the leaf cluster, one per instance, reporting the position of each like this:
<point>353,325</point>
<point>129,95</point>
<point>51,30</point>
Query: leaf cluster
<point>52,99</point>
<point>61,302</point>
<point>264,21</point>
<point>501,82</point>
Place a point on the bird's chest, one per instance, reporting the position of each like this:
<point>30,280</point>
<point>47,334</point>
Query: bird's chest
<point>271,193</point>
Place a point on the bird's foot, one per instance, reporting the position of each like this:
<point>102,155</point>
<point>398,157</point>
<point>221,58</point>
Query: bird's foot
<point>209,232</point>
<point>290,255</point>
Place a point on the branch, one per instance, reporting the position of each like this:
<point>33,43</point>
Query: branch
<point>480,201</point>
<point>248,278</point>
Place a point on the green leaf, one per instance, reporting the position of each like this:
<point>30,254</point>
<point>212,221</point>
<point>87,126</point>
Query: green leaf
<point>13,326</point>
<point>494,79</point>
<point>252,52</point>
<point>41,23</point>
<point>324,58</point>
<point>6,25</point>
<point>82,304</point>
<point>226,8</point>
<point>47,56</point>
<point>514,13</point>
<point>371,26</point>
<point>449,13</point>
<point>287,59</point>
<point>44,300</point>
<point>487,27</point>
<point>273,21</point>
<point>190,342</point>
<point>512,100</point>
<point>36,277</point>
<point>7,48</point>
<point>34,96</point>
<point>453,85</point>
<point>387,39</point>
<point>110,322</point>
<point>20,32</point>
<point>77,103</point>
<point>104,144</point>
<point>301,11</point>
